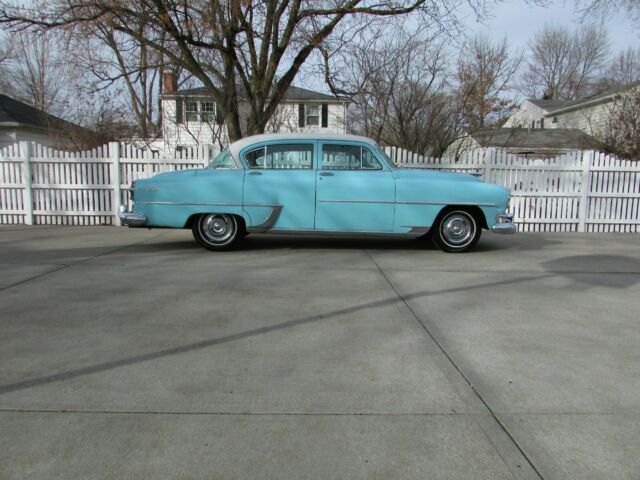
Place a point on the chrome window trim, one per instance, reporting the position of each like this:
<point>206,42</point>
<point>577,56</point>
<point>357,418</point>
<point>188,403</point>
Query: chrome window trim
<point>266,146</point>
<point>362,147</point>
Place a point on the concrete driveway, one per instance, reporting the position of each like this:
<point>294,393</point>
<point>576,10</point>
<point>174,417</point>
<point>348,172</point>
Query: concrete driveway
<point>137,354</point>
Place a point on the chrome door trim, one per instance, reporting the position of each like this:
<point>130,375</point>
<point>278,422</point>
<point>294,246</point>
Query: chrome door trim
<point>401,202</point>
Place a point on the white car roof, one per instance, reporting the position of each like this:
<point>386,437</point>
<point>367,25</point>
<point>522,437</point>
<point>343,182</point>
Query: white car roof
<point>237,146</point>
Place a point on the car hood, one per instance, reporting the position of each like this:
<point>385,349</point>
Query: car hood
<point>428,173</point>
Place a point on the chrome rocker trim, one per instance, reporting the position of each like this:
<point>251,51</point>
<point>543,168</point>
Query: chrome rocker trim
<point>131,219</point>
<point>504,224</point>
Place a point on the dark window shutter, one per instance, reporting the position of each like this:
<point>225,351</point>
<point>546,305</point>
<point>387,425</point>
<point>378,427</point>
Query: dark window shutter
<point>301,115</point>
<point>219,115</point>
<point>325,115</point>
<point>179,110</point>
<point>542,123</point>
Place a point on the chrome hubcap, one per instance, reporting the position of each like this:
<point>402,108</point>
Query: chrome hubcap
<point>217,228</point>
<point>458,229</point>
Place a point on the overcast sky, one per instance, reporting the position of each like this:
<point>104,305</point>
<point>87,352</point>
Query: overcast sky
<point>519,21</point>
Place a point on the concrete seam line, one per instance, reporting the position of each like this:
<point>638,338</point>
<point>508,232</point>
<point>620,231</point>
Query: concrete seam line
<point>464,377</point>
<point>240,414</point>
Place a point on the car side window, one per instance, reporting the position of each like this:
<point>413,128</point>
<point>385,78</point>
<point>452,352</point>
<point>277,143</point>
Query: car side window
<point>369,161</point>
<point>281,157</point>
<point>348,157</point>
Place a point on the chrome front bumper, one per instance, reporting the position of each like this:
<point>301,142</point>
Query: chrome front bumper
<point>131,219</point>
<point>504,224</point>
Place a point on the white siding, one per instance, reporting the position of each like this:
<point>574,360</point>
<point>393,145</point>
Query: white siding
<point>527,113</point>
<point>590,120</point>
<point>198,133</point>
<point>9,137</point>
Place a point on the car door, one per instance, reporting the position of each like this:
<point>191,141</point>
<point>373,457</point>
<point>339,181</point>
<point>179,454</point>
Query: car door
<point>355,191</point>
<point>279,185</point>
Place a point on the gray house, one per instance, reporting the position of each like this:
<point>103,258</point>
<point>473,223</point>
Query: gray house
<point>22,122</point>
<point>527,142</point>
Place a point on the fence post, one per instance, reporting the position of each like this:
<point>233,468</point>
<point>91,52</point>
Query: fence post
<point>27,192</point>
<point>488,162</point>
<point>208,155</point>
<point>114,150</point>
<point>585,186</point>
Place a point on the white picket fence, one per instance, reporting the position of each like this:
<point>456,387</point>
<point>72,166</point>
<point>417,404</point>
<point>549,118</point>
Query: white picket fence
<point>579,191</point>
<point>43,186</point>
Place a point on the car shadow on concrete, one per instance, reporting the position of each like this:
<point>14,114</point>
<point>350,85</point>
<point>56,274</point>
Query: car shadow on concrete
<point>586,271</point>
<point>488,242</point>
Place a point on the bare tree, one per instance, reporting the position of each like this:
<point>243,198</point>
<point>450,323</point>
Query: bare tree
<point>114,59</point>
<point>37,72</point>
<point>621,132</point>
<point>565,65</point>
<point>258,47</point>
<point>485,70</point>
<point>625,67</point>
<point>397,86</point>
<point>606,8</point>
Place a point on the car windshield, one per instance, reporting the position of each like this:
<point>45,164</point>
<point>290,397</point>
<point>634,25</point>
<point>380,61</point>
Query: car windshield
<point>222,160</point>
<point>386,158</point>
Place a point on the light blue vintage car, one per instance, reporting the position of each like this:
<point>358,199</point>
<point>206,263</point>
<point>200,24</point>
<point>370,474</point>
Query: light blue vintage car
<point>321,185</point>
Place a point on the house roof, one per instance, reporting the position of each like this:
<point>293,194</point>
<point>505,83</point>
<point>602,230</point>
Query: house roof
<point>535,138</point>
<point>294,94</point>
<point>16,114</point>
<point>547,105</point>
<point>552,107</point>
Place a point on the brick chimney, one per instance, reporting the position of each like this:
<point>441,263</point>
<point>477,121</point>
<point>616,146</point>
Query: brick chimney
<point>169,82</point>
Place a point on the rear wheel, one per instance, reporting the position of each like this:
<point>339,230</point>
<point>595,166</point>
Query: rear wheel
<point>456,231</point>
<point>216,231</point>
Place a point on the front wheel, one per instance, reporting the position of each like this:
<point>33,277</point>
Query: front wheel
<point>457,231</point>
<point>216,231</point>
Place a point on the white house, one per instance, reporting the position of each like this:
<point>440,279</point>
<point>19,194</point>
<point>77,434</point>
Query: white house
<point>589,114</point>
<point>190,117</point>
<point>21,122</point>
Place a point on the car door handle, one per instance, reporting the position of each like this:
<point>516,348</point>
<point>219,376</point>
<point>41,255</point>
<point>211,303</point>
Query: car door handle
<point>326,174</point>
<point>255,173</point>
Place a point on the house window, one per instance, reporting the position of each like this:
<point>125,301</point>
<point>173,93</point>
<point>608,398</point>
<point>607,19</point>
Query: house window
<point>191,109</point>
<point>207,112</point>
<point>312,115</point>
<point>200,111</point>
<point>555,120</point>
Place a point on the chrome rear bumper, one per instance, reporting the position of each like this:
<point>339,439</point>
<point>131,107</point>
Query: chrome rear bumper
<point>131,219</point>
<point>504,224</point>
